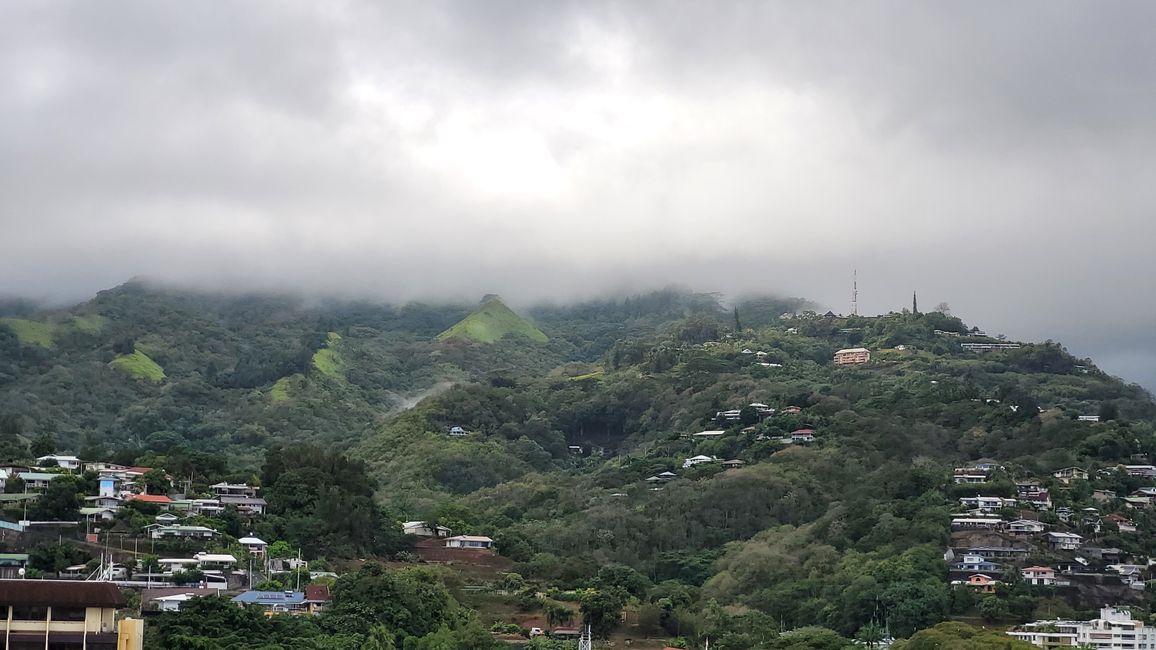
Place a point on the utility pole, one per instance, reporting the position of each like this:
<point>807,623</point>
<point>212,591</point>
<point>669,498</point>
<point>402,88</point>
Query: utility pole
<point>586,642</point>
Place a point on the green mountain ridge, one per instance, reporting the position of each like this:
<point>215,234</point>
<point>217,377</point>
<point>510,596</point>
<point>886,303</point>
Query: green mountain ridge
<point>567,437</point>
<point>491,322</point>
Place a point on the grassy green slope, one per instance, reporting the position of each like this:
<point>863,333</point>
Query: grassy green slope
<point>31,332</point>
<point>491,322</point>
<point>139,365</point>
<point>328,360</point>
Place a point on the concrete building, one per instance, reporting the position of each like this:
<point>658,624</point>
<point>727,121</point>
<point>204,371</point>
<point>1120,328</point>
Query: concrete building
<point>1114,629</point>
<point>65,615</point>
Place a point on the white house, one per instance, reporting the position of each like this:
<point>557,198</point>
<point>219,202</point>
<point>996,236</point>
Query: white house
<point>708,434</point>
<point>255,545</point>
<point>215,561</point>
<point>1114,629</point>
<point>697,460</point>
<point>962,523</point>
<point>160,531</point>
<point>238,489</point>
<point>1026,527</point>
<point>470,541</point>
<point>64,462</point>
<point>458,432</point>
<point>987,504</point>
<point>424,529</point>
<point>1065,541</point>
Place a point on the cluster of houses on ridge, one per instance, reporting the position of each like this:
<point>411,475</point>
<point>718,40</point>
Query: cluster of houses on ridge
<point>760,412</point>
<point>120,484</point>
<point>1010,544</point>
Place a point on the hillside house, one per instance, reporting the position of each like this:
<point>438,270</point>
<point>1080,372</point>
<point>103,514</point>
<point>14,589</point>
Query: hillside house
<point>97,514</point>
<point>1088,418</point>
<point>976,563</point>
<point>1123,523</point>
<point>236,489</point>
<point>852,356</point>
<point>1064,541</point>
<point>70,463</point>
<point>999,552</point>
<point>246,505</point>
<point>160,531</point>
<point>707,435</point>
<point>1039,576</point>
<point>1148,471</point>
<point>170,565</point>
<point>317,598</point>
<point>458,432</point>
<point>1069,474</point>
<point>987,504</point>
<point>424,529</point>
<point>1130,574</point>
<point>1101,496</point>
<point>792,410</point>
<point>966,523</point>
<point>803,435</point>
<point>984,465</point>
<point>110,502</point>
<point>988,347</point>
<point>965,476</point>
<point>156,499</point>
<point>982,583</point>
<point>732,464</point>
<point>732,415</point>
<point>255,545</point>
<point>37,481</point>
<point>215,561</point>
<point>470,542</point>
<point>274,602</point>
<point>697,460</point>
<point>101,466</point>
<point>169,599</point>
<point>1038,499</point>
<point>1025,527</point>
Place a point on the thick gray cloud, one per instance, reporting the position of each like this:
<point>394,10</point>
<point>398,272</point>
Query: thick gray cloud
<point>993,156</point>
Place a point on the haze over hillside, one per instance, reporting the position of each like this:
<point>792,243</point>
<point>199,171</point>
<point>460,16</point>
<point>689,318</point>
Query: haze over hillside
<point>565,151</point>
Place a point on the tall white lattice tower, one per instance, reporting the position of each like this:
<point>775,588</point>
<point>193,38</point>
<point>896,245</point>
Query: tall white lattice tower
<point>855,292</point>
<point>586,642</point>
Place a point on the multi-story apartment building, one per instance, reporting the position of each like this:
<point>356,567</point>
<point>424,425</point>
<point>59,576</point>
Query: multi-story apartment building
<point>1114,630</point>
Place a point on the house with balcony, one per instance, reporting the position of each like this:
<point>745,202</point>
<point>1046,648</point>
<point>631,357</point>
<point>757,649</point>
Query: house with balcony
<point>70,463</point>
<point>66,615</point>
<point>1064,541</point>
<point>852,356</point>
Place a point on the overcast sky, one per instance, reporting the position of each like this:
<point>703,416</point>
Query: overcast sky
<point>997,156</point>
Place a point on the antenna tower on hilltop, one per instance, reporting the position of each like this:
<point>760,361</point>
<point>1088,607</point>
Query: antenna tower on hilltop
<point>855,292</point>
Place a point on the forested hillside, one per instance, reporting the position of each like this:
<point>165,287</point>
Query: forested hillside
<point>834,509</point>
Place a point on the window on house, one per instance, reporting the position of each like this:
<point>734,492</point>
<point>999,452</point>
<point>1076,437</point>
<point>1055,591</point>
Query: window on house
<point>29,613</point>
<point>68,613</point>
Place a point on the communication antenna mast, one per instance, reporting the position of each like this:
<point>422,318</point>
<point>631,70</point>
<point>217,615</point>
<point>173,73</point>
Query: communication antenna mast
<point>855,293</point>
<point>586,642</point>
